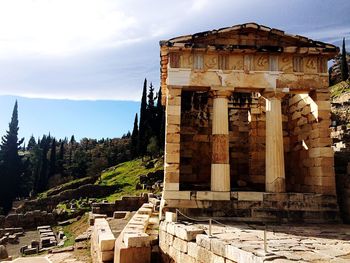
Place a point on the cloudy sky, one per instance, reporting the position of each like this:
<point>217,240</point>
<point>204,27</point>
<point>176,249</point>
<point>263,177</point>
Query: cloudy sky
<point>103,49</point>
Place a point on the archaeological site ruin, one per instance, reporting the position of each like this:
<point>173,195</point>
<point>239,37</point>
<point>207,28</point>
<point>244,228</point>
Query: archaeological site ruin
<point>247,125</point>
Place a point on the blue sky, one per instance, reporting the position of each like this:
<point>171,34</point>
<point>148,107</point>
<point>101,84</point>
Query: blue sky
<point>63,118</point>
<point>91,51</point>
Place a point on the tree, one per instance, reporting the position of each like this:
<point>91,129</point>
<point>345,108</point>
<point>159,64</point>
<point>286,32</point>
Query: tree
<point>134,138</point>
<point>344,63</point>
<point>150,97</point>
<point>11,165</point>
<point>52,163</point>
<point>152,147</point>
<point>160,120</point>
<point>143,121</point>
<point>60,158</point>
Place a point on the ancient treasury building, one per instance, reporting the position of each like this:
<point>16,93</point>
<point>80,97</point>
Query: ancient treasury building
<point>247,125</point>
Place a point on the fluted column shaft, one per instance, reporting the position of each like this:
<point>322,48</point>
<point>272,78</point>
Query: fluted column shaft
<point>220,165</point>
<point>275,174</point>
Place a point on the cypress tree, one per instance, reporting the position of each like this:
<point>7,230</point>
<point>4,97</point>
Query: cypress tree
<point>134,138</point>
<point>160,120</point>
<point>11,165</point>
<point>43,177</point>
<point>344,63</point>
<point>52,163</point>
<point>60,158</point>
<point>31,143</point>
<point>150,97</point>
<point>143,121</point>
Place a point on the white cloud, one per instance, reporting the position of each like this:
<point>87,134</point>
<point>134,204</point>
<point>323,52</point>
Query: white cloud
<point>62,27</point>
<point>103,49</point>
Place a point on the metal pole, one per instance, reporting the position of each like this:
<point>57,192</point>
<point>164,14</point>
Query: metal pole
<point>265,241</point>
<point>210,227</point>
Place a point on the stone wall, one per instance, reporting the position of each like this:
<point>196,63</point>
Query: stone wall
<point>310,144</point>
<point>50,203</point>
<point>195,148</point>
<point>257,140</point>
<point>181,243</point>
<point>127,203</point>
<point>239,147</point>
<point>263,207</point>
<point>27,220</point>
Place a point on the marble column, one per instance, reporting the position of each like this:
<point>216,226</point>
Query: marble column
<point>275,174</point>
<point>220,165</point>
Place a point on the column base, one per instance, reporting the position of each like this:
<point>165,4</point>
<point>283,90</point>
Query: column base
<point>220,177</point>
<point>277,186</point>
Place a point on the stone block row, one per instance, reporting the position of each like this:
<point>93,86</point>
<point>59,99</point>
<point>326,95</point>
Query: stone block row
<point>195,246</point>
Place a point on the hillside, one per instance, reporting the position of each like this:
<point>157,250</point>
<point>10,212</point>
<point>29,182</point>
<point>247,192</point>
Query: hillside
<point>130,176</point>
<point>340,94</point>
<point>73,198</point>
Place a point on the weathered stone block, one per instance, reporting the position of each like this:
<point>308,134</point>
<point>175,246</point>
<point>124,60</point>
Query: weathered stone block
<point>192,249</point>
<point>170,217</point>
<point>217,246</point>
<point>204,255</point>
<point>203,241</point>
<point>136,240</point>
<point>250,196</point>
<point>188,233</point>
<point>180,244</point>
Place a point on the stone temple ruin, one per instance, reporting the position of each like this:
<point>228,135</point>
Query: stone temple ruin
<point>247,125</point>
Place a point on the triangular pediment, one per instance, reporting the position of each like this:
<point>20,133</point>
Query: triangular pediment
<point>249,35</point>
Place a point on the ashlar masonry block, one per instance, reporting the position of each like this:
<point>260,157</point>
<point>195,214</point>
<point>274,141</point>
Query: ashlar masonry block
<point>136,240</point>
<point>170,217</point>
<point>188,233</point>
<point>180,245</point>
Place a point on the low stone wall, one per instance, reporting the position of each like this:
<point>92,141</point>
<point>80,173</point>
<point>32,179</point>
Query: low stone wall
<point>127,203</point>
<point>27,220</point>
<point>139,237</point>
<point>188,244</point>
<point>260,207</point>
<point>185,242</point>
<point>50,203</point>
<point>102,241</point>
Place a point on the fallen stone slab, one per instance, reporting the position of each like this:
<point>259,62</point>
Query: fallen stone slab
<point>120,214</point>
<point>61,250</point>
<point>12,239</point>
<point>43,227</point>
<point>61,234</point>
<point>82,237</point>
<point>12,230</point>
<point>3,240</point>
<point>30,251</point>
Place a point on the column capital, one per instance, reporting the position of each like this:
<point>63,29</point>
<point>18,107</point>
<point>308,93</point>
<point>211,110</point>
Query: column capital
<point>273,94</point>
<point>220,93</point>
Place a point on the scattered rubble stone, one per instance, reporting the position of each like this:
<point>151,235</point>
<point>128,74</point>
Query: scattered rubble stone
<point>3,252</point>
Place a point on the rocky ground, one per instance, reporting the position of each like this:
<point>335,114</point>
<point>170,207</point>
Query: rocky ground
<point>13,249</point>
